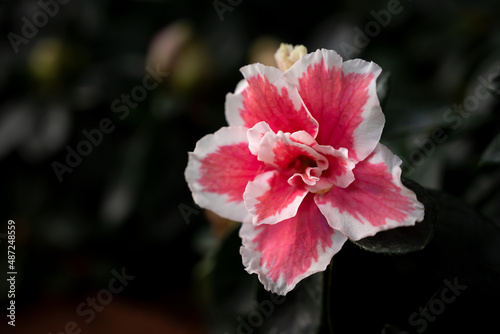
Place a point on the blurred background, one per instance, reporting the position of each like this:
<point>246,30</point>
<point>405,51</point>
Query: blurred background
<point>101,100</point>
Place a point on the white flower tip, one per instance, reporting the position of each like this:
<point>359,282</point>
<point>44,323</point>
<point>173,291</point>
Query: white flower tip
<point>287,55</point>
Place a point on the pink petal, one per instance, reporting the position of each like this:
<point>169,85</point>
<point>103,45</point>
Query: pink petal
<point>340,168</point>
<point>219,169</point>
<point>285,253</point>
<point>255,135</point>
<point>342,98</point>
<point>266,96</point>
<point>298,156</point>
<point>375,201</point>
<point>271,199</point>
<point>281,150</point>
<point>303,137</point>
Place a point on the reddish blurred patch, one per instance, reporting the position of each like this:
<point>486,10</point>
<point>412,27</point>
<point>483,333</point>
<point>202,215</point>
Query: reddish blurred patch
<point>176,316</point>
<point>220,226</point>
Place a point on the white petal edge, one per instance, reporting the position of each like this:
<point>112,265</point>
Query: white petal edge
<point>255,135</point>
<point>233,104</point>
<point>368,133</point>
<point>332,60</point>
<point>260,185</point>
<point>215,202</point>
<point>251,260</point>
<point>356,230</point>
<point>234,101</point>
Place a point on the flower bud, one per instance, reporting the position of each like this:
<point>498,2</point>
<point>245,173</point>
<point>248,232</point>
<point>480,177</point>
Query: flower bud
<point>287,55</point>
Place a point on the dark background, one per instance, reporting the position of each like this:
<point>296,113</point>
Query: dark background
<point>126,204</point>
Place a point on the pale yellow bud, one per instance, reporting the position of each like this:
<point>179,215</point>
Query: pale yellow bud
<point>287,55</point>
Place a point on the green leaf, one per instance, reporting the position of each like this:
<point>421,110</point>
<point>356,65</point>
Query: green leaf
<point>492,153</point>
<point>471,237</point>
<point>409,238</point>
<point>392,292</point>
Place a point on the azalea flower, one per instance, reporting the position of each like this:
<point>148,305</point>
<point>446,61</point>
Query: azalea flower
<point>301,166</point>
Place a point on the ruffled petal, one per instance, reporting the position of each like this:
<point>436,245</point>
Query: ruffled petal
<point>285,253</point>
<point>297,155</point>
<point>375,201</point>
<point>282,151</point>
<point>342,98</point>
<point>340,168</point>
<point>271,199</point>
<point>266,96</point>
<point>255,135</point>
<point>219,170</point>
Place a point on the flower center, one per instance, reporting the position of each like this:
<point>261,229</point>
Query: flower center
<point>322,191</point>
<point>301,163</point>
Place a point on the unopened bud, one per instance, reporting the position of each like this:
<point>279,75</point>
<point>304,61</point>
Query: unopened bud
<point>287,55</point>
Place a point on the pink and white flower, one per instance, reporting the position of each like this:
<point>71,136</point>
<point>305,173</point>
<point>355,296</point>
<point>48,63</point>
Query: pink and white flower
<point>301,166</point>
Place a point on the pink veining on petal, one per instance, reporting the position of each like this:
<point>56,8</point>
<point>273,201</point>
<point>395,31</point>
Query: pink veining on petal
<point>301,166</point>
<point>229,169</point>
<point>263,102</point>
<point>372,195</point>
<point>290,247</point>
<point>337,105</point>
<point>270,198</point>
